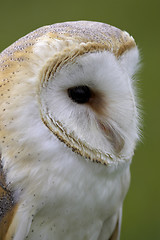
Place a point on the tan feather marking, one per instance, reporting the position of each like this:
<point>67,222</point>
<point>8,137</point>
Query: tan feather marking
<point>7,206</point>
<point>68,54</point>
<point>6,223</point>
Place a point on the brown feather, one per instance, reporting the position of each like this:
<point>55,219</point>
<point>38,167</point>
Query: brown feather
<point>7,205</point>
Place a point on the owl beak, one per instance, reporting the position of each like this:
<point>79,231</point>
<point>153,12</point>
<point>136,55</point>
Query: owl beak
<point>114,138</point>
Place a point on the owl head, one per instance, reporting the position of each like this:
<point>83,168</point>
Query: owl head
<point>69,84</point>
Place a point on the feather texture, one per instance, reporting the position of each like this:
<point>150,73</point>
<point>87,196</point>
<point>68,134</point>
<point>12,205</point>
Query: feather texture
<point>66,164</point>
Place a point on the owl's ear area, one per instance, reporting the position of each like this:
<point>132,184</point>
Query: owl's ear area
<point>130,61</point>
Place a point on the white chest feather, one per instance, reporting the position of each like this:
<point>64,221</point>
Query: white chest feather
<point>74,204</point>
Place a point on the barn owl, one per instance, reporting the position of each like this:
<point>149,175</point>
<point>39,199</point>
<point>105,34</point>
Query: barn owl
<point>68,130</point>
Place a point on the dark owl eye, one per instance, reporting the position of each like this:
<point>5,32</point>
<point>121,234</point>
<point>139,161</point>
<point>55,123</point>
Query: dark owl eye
<point>79,94</point>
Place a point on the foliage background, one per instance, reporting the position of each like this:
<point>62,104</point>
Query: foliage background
<point>141,19</point>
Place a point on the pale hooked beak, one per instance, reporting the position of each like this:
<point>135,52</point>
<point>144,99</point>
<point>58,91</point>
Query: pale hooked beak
<point>114,137</point>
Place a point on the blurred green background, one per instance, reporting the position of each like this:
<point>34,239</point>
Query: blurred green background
<point>141,212</point>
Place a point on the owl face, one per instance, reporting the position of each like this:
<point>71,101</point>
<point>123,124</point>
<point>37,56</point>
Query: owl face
<point>89,105</point>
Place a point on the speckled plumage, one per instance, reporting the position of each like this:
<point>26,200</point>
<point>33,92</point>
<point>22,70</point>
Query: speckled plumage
<point>110,37</point>
<point>33,158</point>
